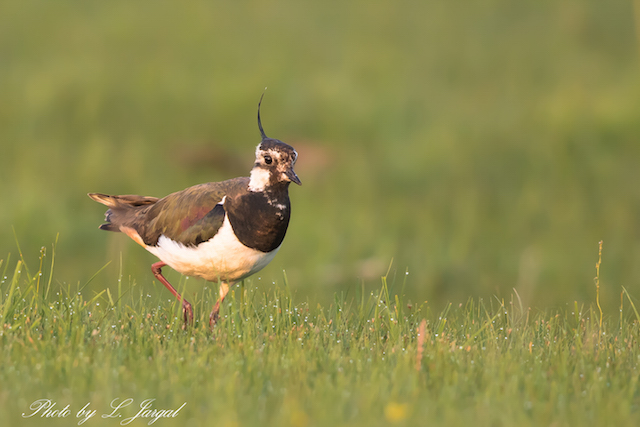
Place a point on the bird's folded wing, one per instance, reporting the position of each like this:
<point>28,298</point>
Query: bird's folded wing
<point>190,216</point>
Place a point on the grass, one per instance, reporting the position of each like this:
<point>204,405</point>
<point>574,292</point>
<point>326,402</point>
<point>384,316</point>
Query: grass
<point>368,359</point>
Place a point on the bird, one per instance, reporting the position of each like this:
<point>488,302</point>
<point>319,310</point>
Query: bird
<point>220,231</point>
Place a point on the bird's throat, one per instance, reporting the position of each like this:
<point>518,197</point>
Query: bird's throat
<point>259,179</point>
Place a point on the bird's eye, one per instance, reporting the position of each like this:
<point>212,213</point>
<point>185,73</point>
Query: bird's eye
<point>268,160</point>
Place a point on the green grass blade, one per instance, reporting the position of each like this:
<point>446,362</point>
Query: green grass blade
<point>6,306</point>
<point>633,306</point>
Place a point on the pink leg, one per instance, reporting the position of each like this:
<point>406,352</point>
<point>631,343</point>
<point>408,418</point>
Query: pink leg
<point>186,305</point>
<point>215,313</point>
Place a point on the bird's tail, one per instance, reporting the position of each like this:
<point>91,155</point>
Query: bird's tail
<point>121,208</point>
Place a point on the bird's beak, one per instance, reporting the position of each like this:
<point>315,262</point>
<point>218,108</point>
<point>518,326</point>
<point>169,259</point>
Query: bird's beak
<point>293,177</point>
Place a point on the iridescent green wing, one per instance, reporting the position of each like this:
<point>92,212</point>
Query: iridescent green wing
<point>190,216</point>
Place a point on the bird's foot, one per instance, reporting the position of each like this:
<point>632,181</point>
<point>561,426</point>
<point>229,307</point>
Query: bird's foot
<point>187,311</point>
<point>215,314</point>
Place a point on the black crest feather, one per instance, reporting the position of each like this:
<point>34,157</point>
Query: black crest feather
<point>259,121</point>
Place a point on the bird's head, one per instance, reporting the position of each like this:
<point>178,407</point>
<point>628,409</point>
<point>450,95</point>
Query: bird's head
<point>274,162</point>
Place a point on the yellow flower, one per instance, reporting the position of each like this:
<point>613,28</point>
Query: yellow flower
<point>395,412</point>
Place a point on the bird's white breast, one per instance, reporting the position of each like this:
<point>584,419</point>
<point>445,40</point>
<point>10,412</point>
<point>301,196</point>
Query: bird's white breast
<point>222,257</point>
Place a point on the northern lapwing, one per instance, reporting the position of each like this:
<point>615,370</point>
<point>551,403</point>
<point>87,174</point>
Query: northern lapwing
<point>220,231</point>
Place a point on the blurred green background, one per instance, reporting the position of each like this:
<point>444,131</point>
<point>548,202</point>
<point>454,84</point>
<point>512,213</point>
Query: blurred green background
<point>482,146</point>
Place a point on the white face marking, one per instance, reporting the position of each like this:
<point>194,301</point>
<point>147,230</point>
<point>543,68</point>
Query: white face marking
<point>259,179</point>
<point>221,258</point>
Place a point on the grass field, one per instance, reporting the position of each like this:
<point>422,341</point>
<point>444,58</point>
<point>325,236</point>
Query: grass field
<point>275,361</point>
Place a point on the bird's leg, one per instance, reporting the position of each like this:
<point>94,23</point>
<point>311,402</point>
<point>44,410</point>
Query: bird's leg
<point>186,305</point>
<point>213,317</point>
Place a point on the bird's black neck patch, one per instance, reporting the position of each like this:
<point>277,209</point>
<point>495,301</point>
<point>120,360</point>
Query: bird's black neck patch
<point>260,219</point>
